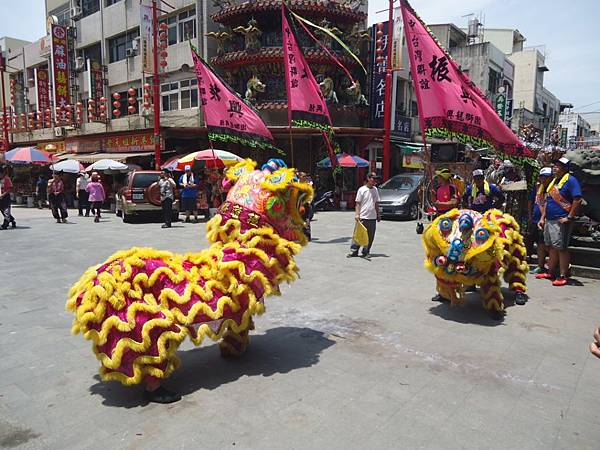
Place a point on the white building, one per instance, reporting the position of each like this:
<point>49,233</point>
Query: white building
<point>106,34</point>
<point>578,129</point>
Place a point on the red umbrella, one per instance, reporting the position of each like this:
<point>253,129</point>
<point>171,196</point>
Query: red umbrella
<point>27,155</point>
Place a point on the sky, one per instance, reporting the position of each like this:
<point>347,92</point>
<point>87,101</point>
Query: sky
<point>569,30</point>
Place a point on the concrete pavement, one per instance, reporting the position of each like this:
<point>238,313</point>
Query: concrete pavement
<point>352,355</point>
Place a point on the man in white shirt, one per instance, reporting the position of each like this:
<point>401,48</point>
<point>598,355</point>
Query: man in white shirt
<point>367,212</point>
<point>82,194</point>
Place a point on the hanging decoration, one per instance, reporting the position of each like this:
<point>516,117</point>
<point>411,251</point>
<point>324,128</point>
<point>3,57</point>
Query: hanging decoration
<point>116,105</point>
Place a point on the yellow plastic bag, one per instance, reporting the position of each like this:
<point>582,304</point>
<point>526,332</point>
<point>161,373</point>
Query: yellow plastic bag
<point>361,236</point>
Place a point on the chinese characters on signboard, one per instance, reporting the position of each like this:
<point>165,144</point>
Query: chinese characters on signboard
<point>378,69</point>
<point>96,84</point>
<point>60,69</point>
<point>146,38</point>
<point>500,105</point>
<point>130,143</point>
<point>43,93</point>
<point>402,126</point>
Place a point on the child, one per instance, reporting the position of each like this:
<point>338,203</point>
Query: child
<point>96,195</point>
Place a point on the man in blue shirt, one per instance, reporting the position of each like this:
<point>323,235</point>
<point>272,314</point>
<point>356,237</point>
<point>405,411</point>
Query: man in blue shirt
<point>563,198</point>
<point>537,200</point>
<point>481,196</point>
<point>189,193</point>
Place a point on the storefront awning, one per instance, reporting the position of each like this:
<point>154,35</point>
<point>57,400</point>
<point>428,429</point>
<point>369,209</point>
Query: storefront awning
<point>93,157</point>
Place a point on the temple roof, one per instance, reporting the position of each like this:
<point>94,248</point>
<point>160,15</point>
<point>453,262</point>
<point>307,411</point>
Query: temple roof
<point>331,10</point>
<point>275,55</point>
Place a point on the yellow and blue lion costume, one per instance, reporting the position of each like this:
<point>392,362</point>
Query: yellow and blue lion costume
<point>466,248</point>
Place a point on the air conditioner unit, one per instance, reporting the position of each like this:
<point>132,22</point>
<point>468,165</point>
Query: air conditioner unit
<point>59,132</point>
<point>76,12</point>
<point>79,63</point>
<point>130,52</point>
<point>135,44</point>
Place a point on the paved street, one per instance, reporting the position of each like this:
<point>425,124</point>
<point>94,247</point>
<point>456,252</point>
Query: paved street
<point>353,355</point>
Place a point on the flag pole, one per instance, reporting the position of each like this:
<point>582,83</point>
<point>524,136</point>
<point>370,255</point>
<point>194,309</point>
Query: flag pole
<point>387,115</point>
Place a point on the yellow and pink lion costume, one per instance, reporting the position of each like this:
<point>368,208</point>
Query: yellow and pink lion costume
<point>466,248</point>
<point>140,304</point>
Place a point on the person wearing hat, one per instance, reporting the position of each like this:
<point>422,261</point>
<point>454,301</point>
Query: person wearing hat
<point>82,193</point>
<point>367,212</point>
<point>446,194</point>
<point>563,199</point>
<point>167,187</point>
<point>189,194</point>
<point>480,195</point>
<point>537,200</point>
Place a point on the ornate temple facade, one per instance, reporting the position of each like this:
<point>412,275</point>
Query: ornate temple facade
<point>250,57</point>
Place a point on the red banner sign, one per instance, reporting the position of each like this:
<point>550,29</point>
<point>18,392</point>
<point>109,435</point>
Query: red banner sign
<point>43,93</point>
<point>60,67</point>
<point>130,143</point>
<point>227,117</point>
<point>450,106</point>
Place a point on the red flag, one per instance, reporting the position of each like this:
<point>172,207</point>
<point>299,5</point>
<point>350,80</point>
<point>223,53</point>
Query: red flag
<point>228,118</point>
<point>306,105</point>
<point>450,106</point>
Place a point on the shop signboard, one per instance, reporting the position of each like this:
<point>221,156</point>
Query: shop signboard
<point>42,89</point>
<point>60,67</point>
<point>378,73</point>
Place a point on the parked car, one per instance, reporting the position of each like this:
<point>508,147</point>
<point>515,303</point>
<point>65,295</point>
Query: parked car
<point>141,196</point>
<point>400,196</point>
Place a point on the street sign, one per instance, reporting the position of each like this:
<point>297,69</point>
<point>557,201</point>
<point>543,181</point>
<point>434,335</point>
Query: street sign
<point>500,105</point>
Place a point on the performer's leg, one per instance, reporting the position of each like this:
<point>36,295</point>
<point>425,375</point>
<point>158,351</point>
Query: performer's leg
<point>492,296</point>
<point>235,344</point>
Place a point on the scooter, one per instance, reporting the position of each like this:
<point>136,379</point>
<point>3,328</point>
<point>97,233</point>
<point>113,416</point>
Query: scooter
<point>324,202</point>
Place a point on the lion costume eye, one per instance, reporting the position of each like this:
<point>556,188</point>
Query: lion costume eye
<point>445,225</point>
<point>482,235</point>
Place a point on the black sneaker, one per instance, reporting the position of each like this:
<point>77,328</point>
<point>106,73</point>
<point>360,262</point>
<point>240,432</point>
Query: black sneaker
<point>366,256</point>
<point>439,298</point>
<point>521,298</point>
<point>496,315</point>
<point>352,255</point>
<point>162,395</point>
<point>166,226</point>
<point>14,224</point>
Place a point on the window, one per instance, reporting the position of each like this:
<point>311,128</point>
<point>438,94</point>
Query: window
<point>63,14</point>
<point>89,7</point>
<point>93,53</point>
<point>112,2</point>
<point>179,95</point>
<point>182,26</point>
<point>117,46</point>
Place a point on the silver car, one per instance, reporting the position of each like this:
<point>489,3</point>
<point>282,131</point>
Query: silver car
<point>400,196</point>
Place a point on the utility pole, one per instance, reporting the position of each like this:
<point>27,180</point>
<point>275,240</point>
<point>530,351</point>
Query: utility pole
<point>387,114</point>
<point>5,146</point>
<point>155,86</point>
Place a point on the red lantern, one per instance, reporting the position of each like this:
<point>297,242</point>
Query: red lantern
<point>131,91</point>
<point>147,86</point>
<point>131,109</point>
<point>164,54</point>
<point>163,36</point>
<point>117,113</point>
<point>116,96</point>
<point>102,108</point>
<point>103,115</point>
<point>163,45</point>
<point>164,63</point>
<point>146,105</point>
<point>116,104</point>
<point>164,26</point>
<point>102,99</point>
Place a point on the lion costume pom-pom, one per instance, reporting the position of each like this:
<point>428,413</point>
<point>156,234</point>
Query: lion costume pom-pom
<point>465,248</point>
<point>141,303</point>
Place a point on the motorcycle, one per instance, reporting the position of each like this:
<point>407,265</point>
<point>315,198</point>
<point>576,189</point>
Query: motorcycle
<point>324,202</point>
